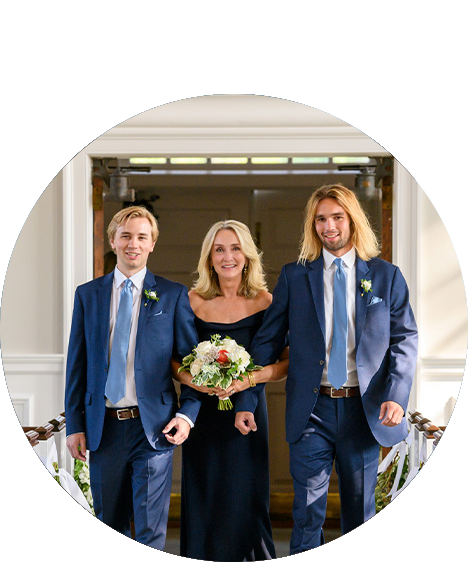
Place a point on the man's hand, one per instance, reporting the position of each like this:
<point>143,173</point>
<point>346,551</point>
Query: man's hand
<point>391,413</point>
<point>76,444</point>
<point>245,422</point>
<point>180,433</point>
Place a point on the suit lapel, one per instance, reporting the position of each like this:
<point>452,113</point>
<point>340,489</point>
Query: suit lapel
<point>315,277</point>
<point>104,310</point>
<point>362,270</point>
<point>150,284</point>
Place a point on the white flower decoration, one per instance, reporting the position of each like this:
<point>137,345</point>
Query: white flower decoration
<point>366,286</point>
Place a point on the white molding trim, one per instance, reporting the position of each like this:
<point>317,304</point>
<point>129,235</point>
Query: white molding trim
<point>67,249</point>
<point>442,369</point>
<point>33,364</point>
<point>25,402</point>
<point>131,141</point>
<point>310,132</point>
<point>405,247</point>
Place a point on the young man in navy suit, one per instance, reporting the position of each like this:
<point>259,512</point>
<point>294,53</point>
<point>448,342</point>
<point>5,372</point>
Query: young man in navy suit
<point>352,358</point>
<point>120,401</point>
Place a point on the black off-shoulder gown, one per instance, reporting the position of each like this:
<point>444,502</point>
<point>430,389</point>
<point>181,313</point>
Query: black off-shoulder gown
<point>225,477</point>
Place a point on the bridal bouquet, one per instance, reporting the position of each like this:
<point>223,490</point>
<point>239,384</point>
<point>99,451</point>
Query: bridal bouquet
<point>216,363</point>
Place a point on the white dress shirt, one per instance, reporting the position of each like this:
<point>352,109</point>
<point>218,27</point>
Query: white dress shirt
<point>130,398</point>
<point>329,269</point>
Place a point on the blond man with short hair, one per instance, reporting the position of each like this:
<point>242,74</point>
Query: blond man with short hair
<point>120,401</point>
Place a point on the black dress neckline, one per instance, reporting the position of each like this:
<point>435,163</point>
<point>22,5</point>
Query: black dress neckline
<point>231,324</point>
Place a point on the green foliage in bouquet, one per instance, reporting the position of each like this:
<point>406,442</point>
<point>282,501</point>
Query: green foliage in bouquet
<point>385,482</point>
<point>55,465</point>
<point>81,474</point>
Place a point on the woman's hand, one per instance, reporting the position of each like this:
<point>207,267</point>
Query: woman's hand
<point>235,387</point>
<point>185,377</point>
<point>204,389</point>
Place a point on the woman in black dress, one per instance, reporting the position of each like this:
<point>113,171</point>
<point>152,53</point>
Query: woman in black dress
<point>225,477</point>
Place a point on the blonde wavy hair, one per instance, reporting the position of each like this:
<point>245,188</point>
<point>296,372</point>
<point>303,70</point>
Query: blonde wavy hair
<point>363,237</point>
<point>127,213</point>
<point>253,281</point>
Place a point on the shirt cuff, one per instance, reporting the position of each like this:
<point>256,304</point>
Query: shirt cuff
<point>184,417</point>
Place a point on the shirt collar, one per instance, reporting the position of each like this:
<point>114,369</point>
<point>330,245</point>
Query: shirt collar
<point>349,258</point>
<point>136,279</point>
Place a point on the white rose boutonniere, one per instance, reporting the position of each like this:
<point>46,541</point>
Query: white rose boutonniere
<point>151,296</point>
<point>366,286</point>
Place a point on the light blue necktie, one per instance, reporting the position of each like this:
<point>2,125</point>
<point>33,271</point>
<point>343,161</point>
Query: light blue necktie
<point>337,366</point>
<point>116,382</point>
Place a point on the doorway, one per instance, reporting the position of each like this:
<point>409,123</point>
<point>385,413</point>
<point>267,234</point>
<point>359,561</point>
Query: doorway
<point>269,194</point>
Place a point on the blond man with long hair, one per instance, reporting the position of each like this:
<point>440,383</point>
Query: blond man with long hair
<point>225,485</point>
<point>353,348</point>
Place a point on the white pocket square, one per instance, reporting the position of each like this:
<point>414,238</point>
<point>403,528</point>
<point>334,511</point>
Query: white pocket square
<point>159,313</point>
<point>374,300</point>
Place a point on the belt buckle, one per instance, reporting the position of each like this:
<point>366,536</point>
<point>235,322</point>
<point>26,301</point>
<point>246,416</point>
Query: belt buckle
<point>118,413</point>
<point>333,390</point>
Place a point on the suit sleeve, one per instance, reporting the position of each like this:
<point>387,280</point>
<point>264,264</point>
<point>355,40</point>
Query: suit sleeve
<point>403,343</point>
<point>75,385</point>
<point>185,338</point>
<point>269,341</point>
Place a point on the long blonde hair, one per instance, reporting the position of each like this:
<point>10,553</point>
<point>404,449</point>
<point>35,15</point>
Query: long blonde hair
<point>207,284</point>
<point>362,236</point>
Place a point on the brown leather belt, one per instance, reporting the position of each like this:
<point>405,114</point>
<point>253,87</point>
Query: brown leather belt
<point>342,393</point>
<point>123,414</point>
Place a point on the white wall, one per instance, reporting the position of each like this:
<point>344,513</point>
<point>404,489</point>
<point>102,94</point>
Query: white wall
<point>32,312</point>
<point>442,317</point>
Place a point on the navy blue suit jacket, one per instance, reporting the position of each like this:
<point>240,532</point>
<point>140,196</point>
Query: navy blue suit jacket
<point>165,329</point>
<point>386,343</point>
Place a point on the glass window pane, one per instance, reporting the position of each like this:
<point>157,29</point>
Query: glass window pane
<point>351,159</point>
<point>270,160</point>
<point>147,160</point>
<point>229,160</point>
<point>188,160</point>
<point>310,160</point>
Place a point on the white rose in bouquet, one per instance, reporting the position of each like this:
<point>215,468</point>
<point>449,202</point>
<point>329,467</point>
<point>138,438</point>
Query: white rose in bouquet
<point>240,357</point>
<point>196,366</point>
<point>204,348</point>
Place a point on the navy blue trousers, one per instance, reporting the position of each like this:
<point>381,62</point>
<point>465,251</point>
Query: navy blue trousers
<point>128,476</point>
<point>338,432</point>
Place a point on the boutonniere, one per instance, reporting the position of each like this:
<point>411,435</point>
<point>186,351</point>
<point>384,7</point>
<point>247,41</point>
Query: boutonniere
<point>151,296</point>
<point>366,286</point>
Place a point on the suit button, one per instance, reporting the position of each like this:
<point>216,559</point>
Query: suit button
<point>315,390</point>
<point>322,362</point>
